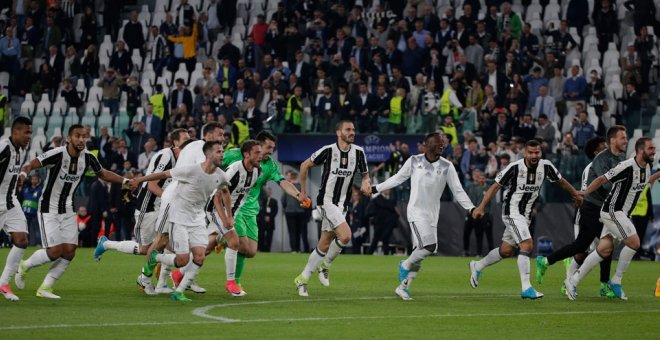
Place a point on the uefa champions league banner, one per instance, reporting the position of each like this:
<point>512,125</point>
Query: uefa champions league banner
<point>297,148</point>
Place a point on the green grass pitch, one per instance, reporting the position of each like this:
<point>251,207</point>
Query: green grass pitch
<point>101,300</point>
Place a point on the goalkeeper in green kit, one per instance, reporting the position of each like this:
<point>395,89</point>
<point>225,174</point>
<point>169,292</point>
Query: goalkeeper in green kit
<point>246,217</point>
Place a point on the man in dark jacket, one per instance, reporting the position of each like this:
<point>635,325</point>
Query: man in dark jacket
<point>266,219</point>
<point>386,217</point>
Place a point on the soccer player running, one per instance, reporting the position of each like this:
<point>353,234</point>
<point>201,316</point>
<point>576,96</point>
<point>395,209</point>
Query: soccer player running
<point>429,173</point>
<point>522,181</point>
<point>242,176</point>
<point>628,178</point>
<point>59,228</point>
<point>148,202</point>
<point>196,182</point>
<point>246,218</point>
<point>191,154</point>
<point>12,218</point>
<point>341,162</point>
<point>589,213</point>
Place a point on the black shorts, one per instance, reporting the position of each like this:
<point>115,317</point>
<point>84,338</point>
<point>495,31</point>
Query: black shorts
<point>590,224</point>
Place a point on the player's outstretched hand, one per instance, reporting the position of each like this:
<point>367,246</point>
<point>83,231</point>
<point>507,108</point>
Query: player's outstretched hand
<point>304,201</point>
<point>477,213</point>
<point>132,184</point>
<point>578,199</point>
<point>366,190</point>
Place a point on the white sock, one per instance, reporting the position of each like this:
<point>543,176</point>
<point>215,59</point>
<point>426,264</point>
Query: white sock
<point>416,258</point>
<point>13,259</point>
<point>335,249</point>
<point>408,280</point>
<point>572,268</point>
<point>37,259</point>
<point>589,263</point>
<point>55,272</point>
<point>312,263</point>
<point>188,277</point>
<point>230,263</point>
<point>523,268</point>
<point>625,257</point>
<point>164,275</point>
<point>490,259</point>
<point>166,259</point>
<point>126,247</point>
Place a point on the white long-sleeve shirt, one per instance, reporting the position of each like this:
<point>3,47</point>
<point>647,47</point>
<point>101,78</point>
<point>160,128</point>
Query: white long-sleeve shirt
<point>427,182</point>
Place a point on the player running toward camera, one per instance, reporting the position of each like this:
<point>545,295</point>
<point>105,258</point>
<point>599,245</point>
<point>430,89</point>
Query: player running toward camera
<point>429,173</point>
<point>58,220</point>
<point>245,223</point>
<point>341,162</point>
<point>242,176</point>
<point>148,202</point>
<point>591,226</point>
<point>522,181</point>
<point>188,230</point>
<point>192,154</point>
<point>628,178</point>
<point>12,218</point>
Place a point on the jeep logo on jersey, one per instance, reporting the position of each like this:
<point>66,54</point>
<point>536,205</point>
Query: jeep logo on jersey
<point>69,178</point>
<point>638,187</point>
<point>342,173</point>
<point>529,188</point>
<point>14,169</point>
<point>241,190</point>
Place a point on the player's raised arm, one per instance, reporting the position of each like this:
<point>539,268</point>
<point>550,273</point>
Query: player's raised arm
<point>457,190</point>
<point>401,176</point>
<point>152,177</point>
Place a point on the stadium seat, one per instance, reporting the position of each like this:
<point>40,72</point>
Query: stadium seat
<point>162,5</point>
<point>4,79</point>
<point>533,8</point>
<point>59,108</point>
<point>95,94</point>
<point>38,139</point>
<point>93,108</point>
<point>55,122</point>
<point>145,15</point>
<point>158,17</point>
<point>27,108</point>
<point>89,119</point>
<point>43,107</point>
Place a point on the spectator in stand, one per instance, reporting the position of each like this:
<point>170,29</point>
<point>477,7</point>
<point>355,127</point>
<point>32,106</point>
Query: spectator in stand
<point>483,226</point>
<point>503,125</point>
<point>556,90</point>
<point>327,110</point>
<point>121,60</point>
<point>296,218</point>
<point>546,133</point>
<point>473,158</point>
<point>575,88</point>
<point>230,51</point>
<point>596,98</point>
<point>643,13</point>
<point>138,137</point>
<point>133,35</point>
<point>386,218</point>
<point>160,50</point>
<point>89,27</point>
<point>123,154</point>
<point>72,98</point>
<point>55,60</point>
<point>227,76</point>
<point>111,85</point>
<point>186,46</point>
<point>544,104</point>
<point>30,194</point>
<point>509,23</point>
<point>72,67</point>
<point>48,81</point>
<point>52,34</point>
<point>10,53</point>
<point>228,110</point>
<point>145,157</point>
<point>294,112</point>
<point>97,207</point>
<point>526,128</point>
<point>577,14</point>
<point>604,18</point>
<point>567,148</point>
<point>90,65</point>
<point>633,104</point>
<point>631,65</point>
<point>266,218</point>
<point>583,130</point>
<point>180,95</point>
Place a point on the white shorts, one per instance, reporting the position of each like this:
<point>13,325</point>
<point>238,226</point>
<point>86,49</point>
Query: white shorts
<point>163,225</point>
<point>184,238</point>
<point>13,221</point>
<point>58,229</point>
<point>215,225</point>
<point>617,224</point>
<point>516,230</point>
<point>332,216</point>
<point>423,234</point>
<point>145,227</point>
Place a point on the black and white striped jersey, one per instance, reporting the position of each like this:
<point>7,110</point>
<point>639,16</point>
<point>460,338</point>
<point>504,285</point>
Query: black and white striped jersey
<point>241,182</point>
<point>11,158</point>
<point>522,185</point>
<point>64,176</point>
<point>628,181</point>
<point>339,169</point>
<point>163,160</point>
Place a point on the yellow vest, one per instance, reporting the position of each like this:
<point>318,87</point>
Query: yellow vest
<point>445,104</point>
<point>91,173</point>
<point>396,110</point>
<point>642,204</point>
<point>225,83</point>
<point>157,101</point>
<point>450,130</point>
<point>243,133</point>
<point>3,109</point>
<point>296,114</point>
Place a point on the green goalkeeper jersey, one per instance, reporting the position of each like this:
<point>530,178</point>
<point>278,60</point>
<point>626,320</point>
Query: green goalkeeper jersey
<point>270,171</point>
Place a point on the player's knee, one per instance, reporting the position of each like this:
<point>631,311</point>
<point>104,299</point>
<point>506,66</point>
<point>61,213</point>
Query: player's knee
<point>198,259</point>
<point>181,260</point>
<point>232,242</point>
<point>344,240</point>
<point>68,254</point>
<point>20,240</point>
<point>431,248</point>
<point>250,253</point>
<point>632,242</point>
<point>526,247</point>
<point>506,251</point>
